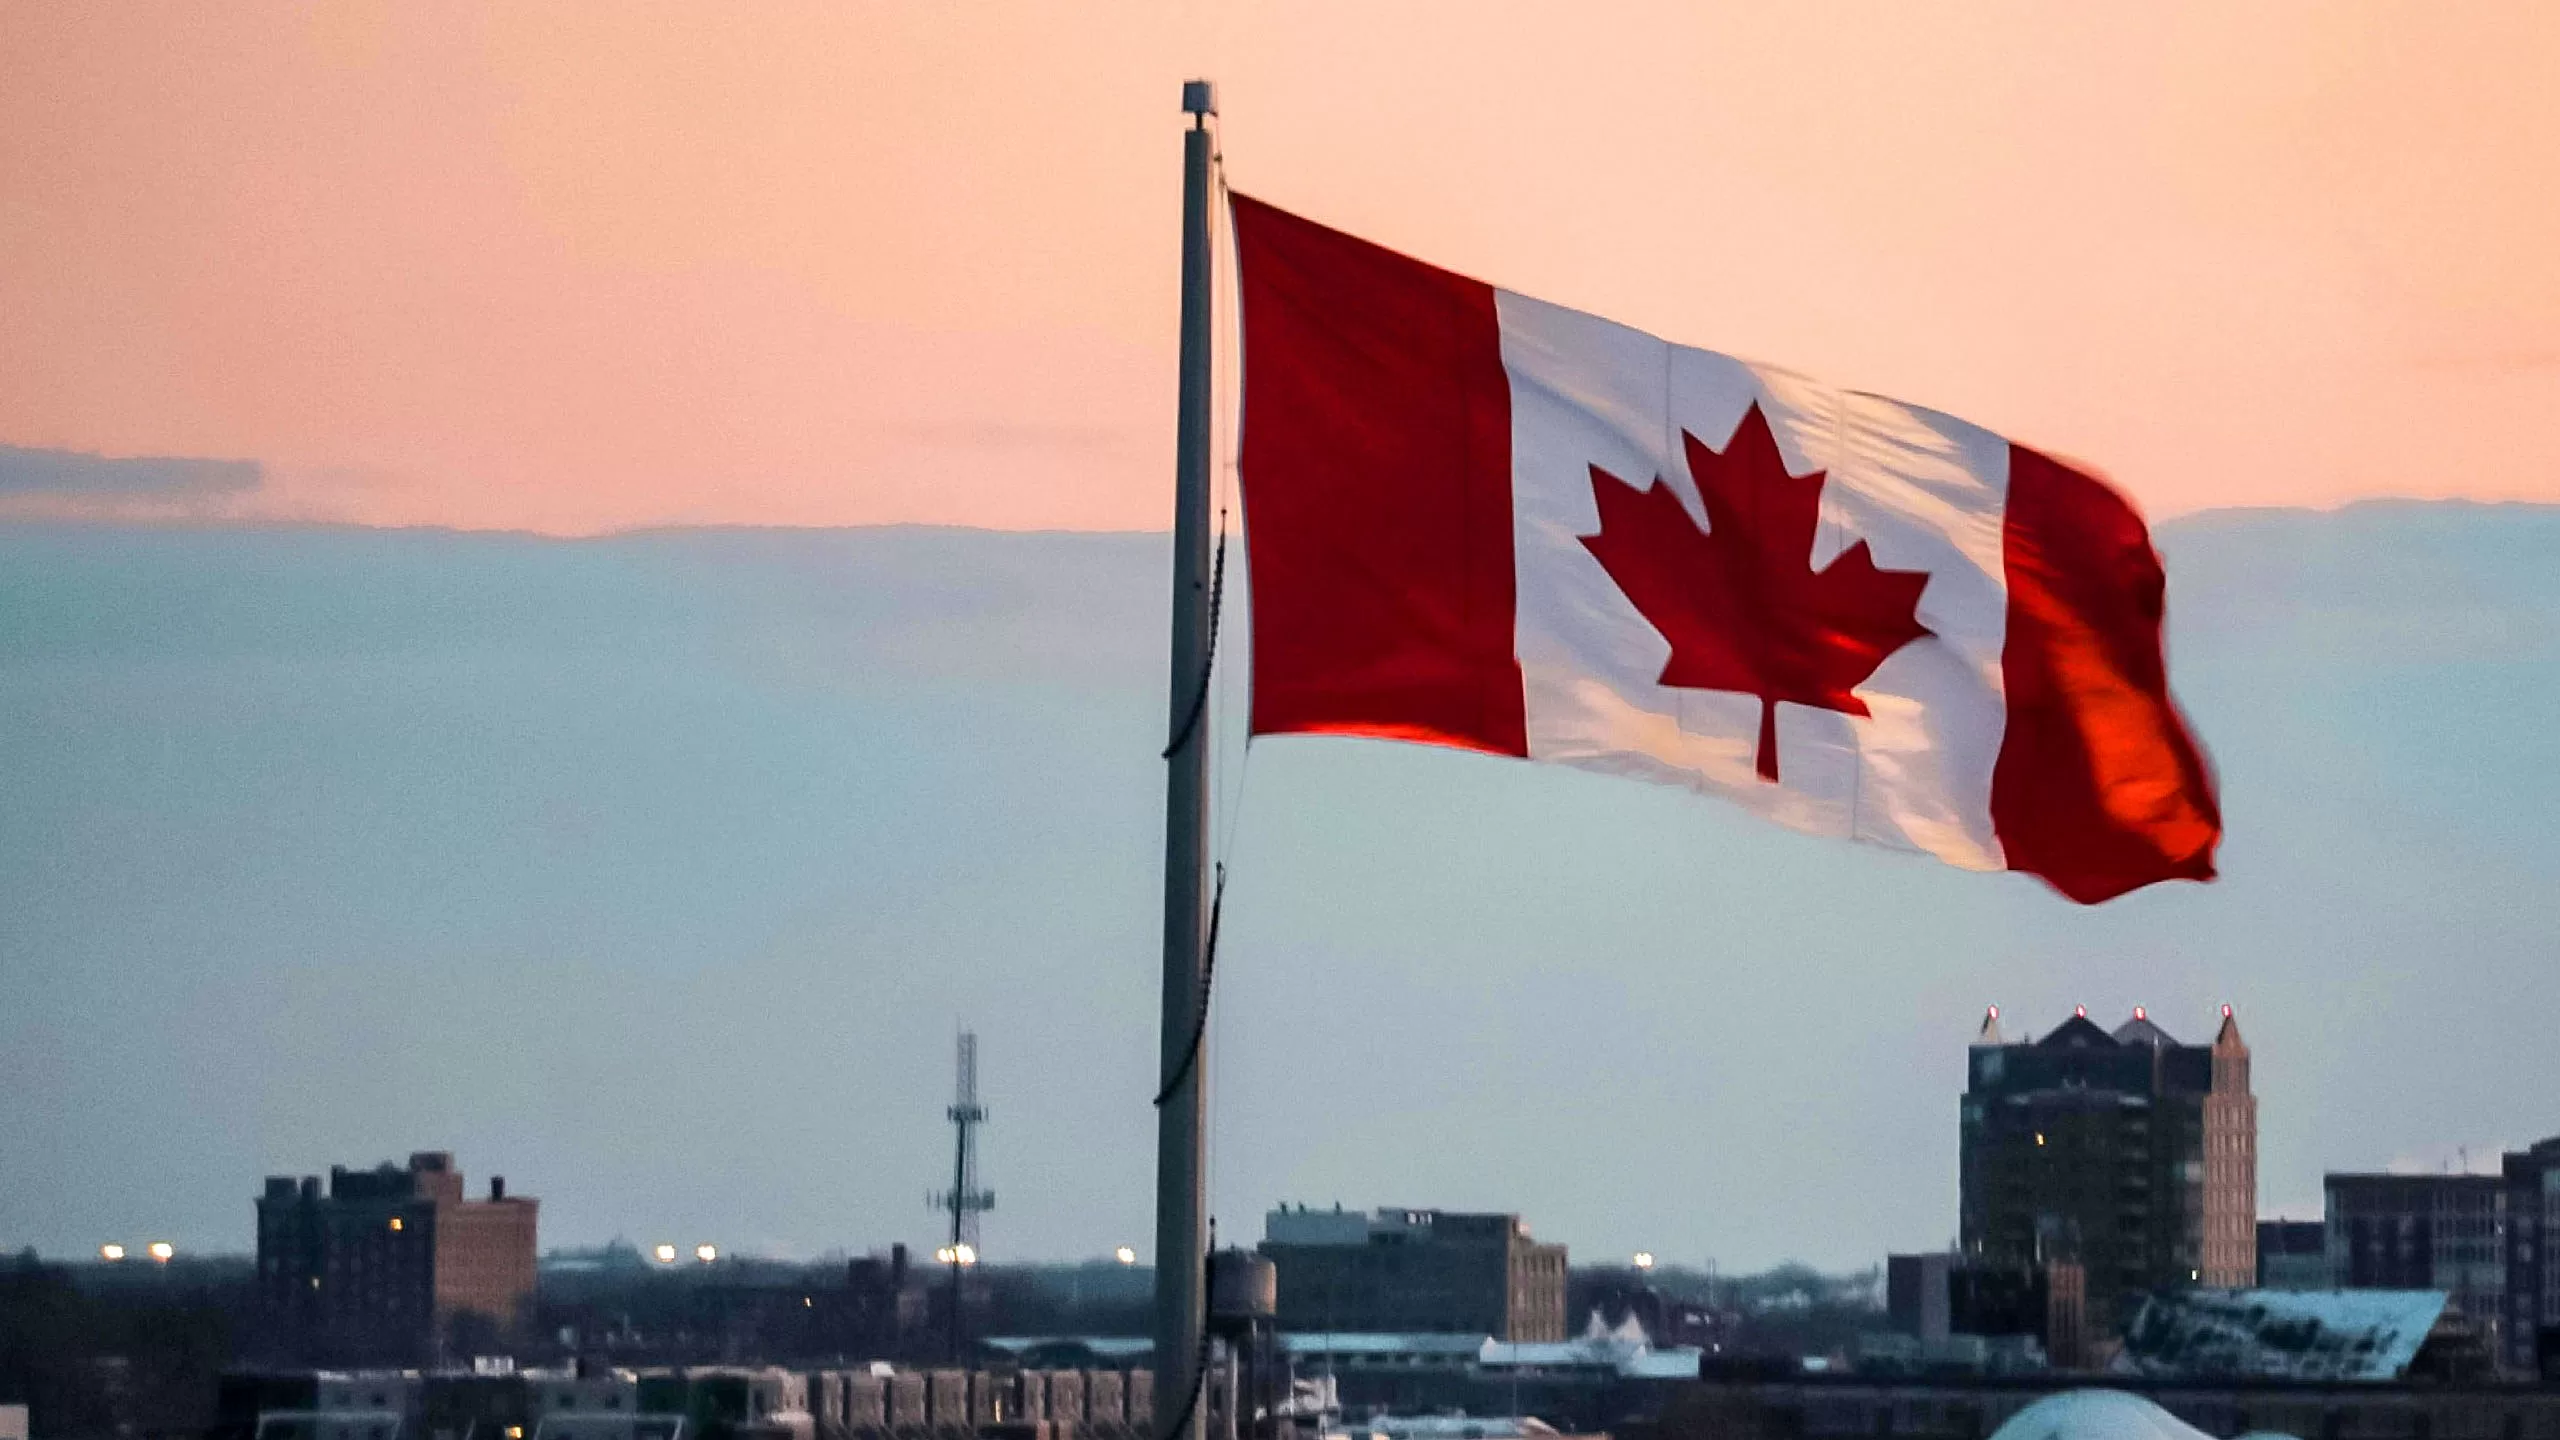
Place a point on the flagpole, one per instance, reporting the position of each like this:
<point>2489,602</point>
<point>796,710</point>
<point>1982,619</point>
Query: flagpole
<point>1181,1197</point>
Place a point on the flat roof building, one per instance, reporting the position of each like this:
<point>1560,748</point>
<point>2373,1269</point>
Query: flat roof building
<point>1414,1271</point>
<point>2293,1255</point>
<point>2531,1329</point>
<point>2480,1238</point>
<point>2422,1232</point>
<point>1915,1296</point>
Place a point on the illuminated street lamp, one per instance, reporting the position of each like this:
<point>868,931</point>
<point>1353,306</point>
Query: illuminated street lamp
<point>162,1250</point>
<point>1644,1259</point>
<point>706,1253</point>
<point>664,1254</point>
<point>1125,1255</point>
<point>956,1255</point>
<point>110,1253</point>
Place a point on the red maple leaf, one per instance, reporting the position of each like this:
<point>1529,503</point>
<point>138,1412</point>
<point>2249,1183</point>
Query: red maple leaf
<point>1741,604</point>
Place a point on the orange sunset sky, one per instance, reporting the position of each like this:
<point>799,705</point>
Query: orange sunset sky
<point>576,268</point>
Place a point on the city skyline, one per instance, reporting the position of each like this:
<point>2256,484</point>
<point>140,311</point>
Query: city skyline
<point>2479,1162</point>
<point>475,671</point>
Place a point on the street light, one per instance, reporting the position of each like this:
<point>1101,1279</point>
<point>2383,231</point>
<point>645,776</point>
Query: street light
<point>162,1250</point>
<point>706,1253</point>
<point>110,1252</point>
<point>956,1255</point>
<point>1125,1255</point>
<point>665,1254</point>
<point>1644,1259</point>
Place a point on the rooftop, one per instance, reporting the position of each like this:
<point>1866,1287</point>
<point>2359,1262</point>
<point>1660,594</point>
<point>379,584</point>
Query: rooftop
<point>2282,1334</point>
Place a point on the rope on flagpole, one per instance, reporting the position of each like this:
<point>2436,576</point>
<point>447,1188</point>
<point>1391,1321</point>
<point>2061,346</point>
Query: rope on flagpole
<point>1200,1011</point>
<point>1209,660</point>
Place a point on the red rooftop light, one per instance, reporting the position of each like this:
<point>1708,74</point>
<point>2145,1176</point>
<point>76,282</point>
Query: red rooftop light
<point>2138,1015</point>
<point>2080,1012</point>
<point>1995,1012</point>
<point>2226,1012</point>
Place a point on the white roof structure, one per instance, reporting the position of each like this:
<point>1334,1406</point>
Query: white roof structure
<point>1456,1427</point>
<point>1624,1351</point>
<point>1102,1347</point>
<point>2095,1415</point>
<point>1383,1342</point>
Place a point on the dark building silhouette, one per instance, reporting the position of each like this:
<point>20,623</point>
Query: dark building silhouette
<point>2293,1255</point>
<point>2482,1239</point>
<point>2422,1232</point>
<point>1916,1296</point>
<point>1415,1271</point>
<point>620,1309</point>
<point>2532,1328</point>
<point>2128,1156</point>
<point>392,1264</point>
<point>2046,1302</point>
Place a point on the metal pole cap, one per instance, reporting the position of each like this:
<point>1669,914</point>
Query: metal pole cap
<point>1199,97</point>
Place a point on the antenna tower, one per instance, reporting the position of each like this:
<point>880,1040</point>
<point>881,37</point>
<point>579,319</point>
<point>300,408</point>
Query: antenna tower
<point>964,1201</point>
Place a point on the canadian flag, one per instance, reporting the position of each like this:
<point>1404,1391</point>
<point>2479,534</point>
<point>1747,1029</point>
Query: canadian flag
<point>1481,520</point>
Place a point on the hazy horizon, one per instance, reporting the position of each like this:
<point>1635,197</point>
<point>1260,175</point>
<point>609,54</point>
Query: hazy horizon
<point>656,873</point>
<point>455,694</point>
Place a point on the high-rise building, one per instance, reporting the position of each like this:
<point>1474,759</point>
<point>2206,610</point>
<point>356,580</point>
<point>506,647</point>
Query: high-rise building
<point>1414,1271</point>
<point>392,1264</point>
<point>2532,1328</point>
<point>2129,1154</point>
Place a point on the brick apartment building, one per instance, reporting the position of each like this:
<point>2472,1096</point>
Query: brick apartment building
<point>392,1265</point>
